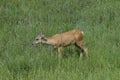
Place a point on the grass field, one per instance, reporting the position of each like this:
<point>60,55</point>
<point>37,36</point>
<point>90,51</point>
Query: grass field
<point>22,20</point>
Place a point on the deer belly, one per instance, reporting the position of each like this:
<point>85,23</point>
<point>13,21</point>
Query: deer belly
<point>68,42</point>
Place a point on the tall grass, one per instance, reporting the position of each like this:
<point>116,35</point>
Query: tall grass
<point>22,20</point>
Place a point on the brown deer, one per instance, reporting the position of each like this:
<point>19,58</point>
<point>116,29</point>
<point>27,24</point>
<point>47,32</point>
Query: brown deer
<point>73,37</point>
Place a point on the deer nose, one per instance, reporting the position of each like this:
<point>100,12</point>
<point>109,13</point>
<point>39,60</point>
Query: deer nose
<point>32,43</point>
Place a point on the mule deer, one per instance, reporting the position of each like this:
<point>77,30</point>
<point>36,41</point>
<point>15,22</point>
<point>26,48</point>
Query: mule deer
<point>61,40</point>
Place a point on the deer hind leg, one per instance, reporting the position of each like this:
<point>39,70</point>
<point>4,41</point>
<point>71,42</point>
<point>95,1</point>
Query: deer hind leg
<point>82,49</point>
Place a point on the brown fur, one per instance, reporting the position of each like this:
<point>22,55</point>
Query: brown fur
<point>73,37</point>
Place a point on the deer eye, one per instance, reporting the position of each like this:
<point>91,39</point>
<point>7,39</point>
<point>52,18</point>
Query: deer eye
<point>36,39</point>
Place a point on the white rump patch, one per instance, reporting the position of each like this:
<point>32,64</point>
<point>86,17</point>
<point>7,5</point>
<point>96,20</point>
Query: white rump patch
<point>82,32</point>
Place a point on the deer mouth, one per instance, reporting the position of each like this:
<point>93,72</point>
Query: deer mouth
<point>34,43</point>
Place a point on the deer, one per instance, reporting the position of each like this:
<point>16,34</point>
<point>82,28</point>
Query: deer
<point>59,41</point>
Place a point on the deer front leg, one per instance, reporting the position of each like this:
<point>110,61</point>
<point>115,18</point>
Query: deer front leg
<point>59,52</point>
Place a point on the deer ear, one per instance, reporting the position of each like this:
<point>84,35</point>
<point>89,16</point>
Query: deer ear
<point>44,39</point>
<point>42,34</point>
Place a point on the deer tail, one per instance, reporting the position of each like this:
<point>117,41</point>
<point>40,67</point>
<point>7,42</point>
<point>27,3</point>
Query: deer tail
<point>82,32</point>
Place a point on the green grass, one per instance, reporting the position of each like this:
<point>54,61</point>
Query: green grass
<point>22,20</point>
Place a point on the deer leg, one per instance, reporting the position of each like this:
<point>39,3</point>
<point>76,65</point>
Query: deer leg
<point>81,54</point>
<point>86,52</point>
<point>59,52</point>
<point>82,48</point>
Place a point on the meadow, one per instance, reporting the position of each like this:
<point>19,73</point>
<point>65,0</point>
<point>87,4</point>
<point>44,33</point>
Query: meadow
<point>22,20</point>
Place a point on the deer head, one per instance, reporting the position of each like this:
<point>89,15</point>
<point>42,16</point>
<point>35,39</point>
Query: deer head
<point>39,39</point>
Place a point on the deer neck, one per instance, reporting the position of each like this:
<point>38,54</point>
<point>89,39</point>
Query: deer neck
<point>49,41</point>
